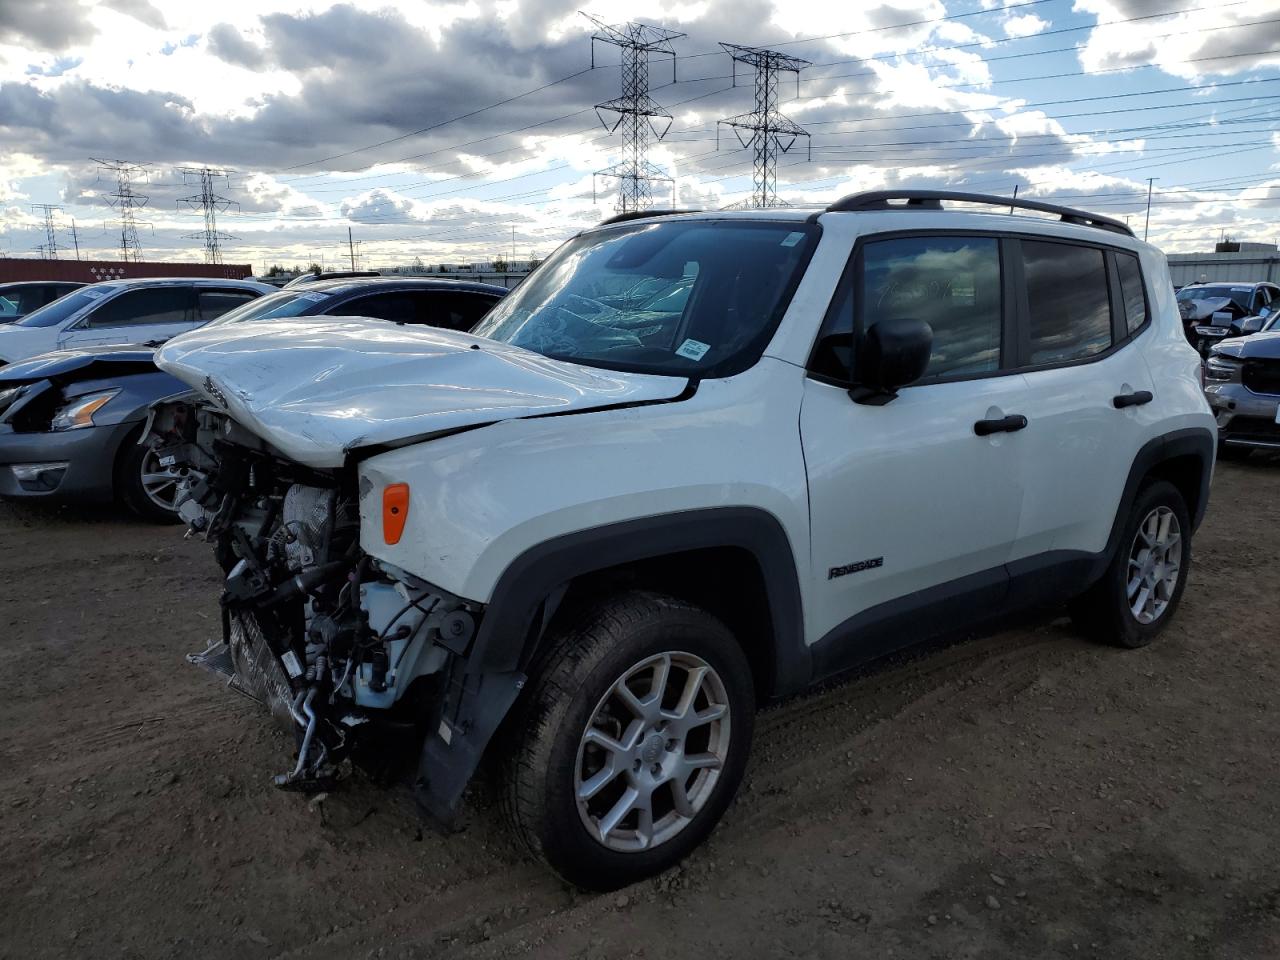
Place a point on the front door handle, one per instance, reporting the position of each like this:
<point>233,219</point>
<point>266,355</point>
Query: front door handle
<point>1009,424</point>
<point>1135,399</point>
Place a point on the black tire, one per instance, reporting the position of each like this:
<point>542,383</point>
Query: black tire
<point>1104,612</point>
<point>588,654</point>
<point>128,482</point>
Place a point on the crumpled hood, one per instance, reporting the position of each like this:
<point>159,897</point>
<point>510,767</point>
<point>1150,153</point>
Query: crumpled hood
<point>1260,345</point>
<point>318,388</point>
<point>1203,309</point>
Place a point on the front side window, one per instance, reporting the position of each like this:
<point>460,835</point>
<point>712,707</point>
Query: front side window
<point>951,283</point>
<point>1135,300</point>
<point>150,305</point>
<point>690,298</point>
<point>1070,308</point>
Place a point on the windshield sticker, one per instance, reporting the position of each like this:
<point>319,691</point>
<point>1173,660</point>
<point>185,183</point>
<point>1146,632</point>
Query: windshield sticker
<point>1241,289</point>
<point>314,297</point>
<point>94,294</point>
<point>792,239</point>
<point>693,350</point>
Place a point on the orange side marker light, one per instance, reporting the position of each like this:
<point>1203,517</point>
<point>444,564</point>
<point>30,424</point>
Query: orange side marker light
<point>395,511</point>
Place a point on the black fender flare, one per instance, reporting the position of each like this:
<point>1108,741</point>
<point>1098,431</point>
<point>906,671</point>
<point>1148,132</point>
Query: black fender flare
<point>1197,442</point>
<point>483,686</point>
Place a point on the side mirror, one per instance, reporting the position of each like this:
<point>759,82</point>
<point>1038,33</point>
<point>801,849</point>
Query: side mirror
<point>1252,325</point>
<point>891,354</point>
<point>1221,318</point>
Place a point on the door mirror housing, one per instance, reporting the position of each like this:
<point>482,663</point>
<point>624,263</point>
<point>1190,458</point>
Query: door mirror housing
<point>1252,325</point>
<point>891,354</point>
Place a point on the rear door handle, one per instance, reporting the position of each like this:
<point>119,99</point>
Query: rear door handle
<point>1009,424</point>
<point>1135,399</point>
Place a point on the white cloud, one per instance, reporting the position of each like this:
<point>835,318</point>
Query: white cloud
<point>1026,25</point>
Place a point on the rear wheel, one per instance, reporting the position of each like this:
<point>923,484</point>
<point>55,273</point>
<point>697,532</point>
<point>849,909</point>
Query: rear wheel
<point>1141,589</point>
<point>144,486</point>
<point>632,742</point>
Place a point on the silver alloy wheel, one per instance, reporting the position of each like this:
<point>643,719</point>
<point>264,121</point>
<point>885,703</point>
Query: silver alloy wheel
<point>1155,562</point>
<point>160,486</point>
<point>652,752</point>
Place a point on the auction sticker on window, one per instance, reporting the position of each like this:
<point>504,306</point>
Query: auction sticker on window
<point>314,297</point>
<point>693,350</point>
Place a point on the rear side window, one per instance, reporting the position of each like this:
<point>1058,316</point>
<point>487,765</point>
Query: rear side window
<point>455,310</point>
<point>214,303</point>
<point>951,283</point>
<point>397,307</point>
<point>151,305</point>
<point>1135,299</point>
<point>27,299</point>
<point>1070,308</point>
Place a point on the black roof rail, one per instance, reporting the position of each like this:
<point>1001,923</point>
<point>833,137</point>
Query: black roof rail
<point>641,215</point>
<point>932,200</point>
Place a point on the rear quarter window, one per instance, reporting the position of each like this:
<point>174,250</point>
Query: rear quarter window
<point>1068,301</point>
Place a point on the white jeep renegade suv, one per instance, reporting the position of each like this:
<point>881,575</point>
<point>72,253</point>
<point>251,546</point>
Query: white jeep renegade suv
<point>694,462</point>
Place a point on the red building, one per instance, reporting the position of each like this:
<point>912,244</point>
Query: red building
<point>91,271</point>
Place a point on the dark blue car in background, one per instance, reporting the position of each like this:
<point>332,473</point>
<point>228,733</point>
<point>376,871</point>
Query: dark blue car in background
<point>70,421</point>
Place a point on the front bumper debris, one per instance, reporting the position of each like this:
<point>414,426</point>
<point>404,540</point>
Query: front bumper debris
<point>250,667</point>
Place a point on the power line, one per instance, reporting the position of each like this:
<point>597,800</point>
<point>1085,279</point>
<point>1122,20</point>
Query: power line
<point>210,204</point>
<point>1129,109</point>
<point>984,43</point>
<point>771,132</point>
<point>636,110</point>
<point>573,76</point>
<point>125,201</point>
<point>48,249</point>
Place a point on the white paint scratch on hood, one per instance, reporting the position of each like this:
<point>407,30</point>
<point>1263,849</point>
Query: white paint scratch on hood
<point>317,388</point>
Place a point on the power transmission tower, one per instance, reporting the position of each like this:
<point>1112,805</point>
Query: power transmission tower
<point>125,201</point>
<point>48,249</point>
<point>771,132</point>
<point>636,110</point>
<point>211,204</point>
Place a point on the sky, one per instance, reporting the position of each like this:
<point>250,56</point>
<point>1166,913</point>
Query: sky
<point>464,130</point>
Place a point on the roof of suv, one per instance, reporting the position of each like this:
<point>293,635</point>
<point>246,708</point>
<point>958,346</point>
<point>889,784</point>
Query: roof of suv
<point>909,202</point>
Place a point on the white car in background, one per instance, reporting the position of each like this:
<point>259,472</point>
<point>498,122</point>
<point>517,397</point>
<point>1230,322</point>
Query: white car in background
<point>125,311</point>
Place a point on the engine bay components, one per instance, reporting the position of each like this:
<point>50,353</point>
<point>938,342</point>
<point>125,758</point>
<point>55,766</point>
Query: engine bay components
<point>331,640</point>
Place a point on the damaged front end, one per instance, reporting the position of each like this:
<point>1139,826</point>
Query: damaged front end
<point>349,652</point>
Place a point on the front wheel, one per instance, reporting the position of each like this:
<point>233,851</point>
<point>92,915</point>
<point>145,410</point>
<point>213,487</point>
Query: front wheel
<point>145,487</point>
<point>1140,591</point>
<point>633,741</point>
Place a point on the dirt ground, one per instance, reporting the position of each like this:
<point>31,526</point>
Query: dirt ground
<point>1022,795</point>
